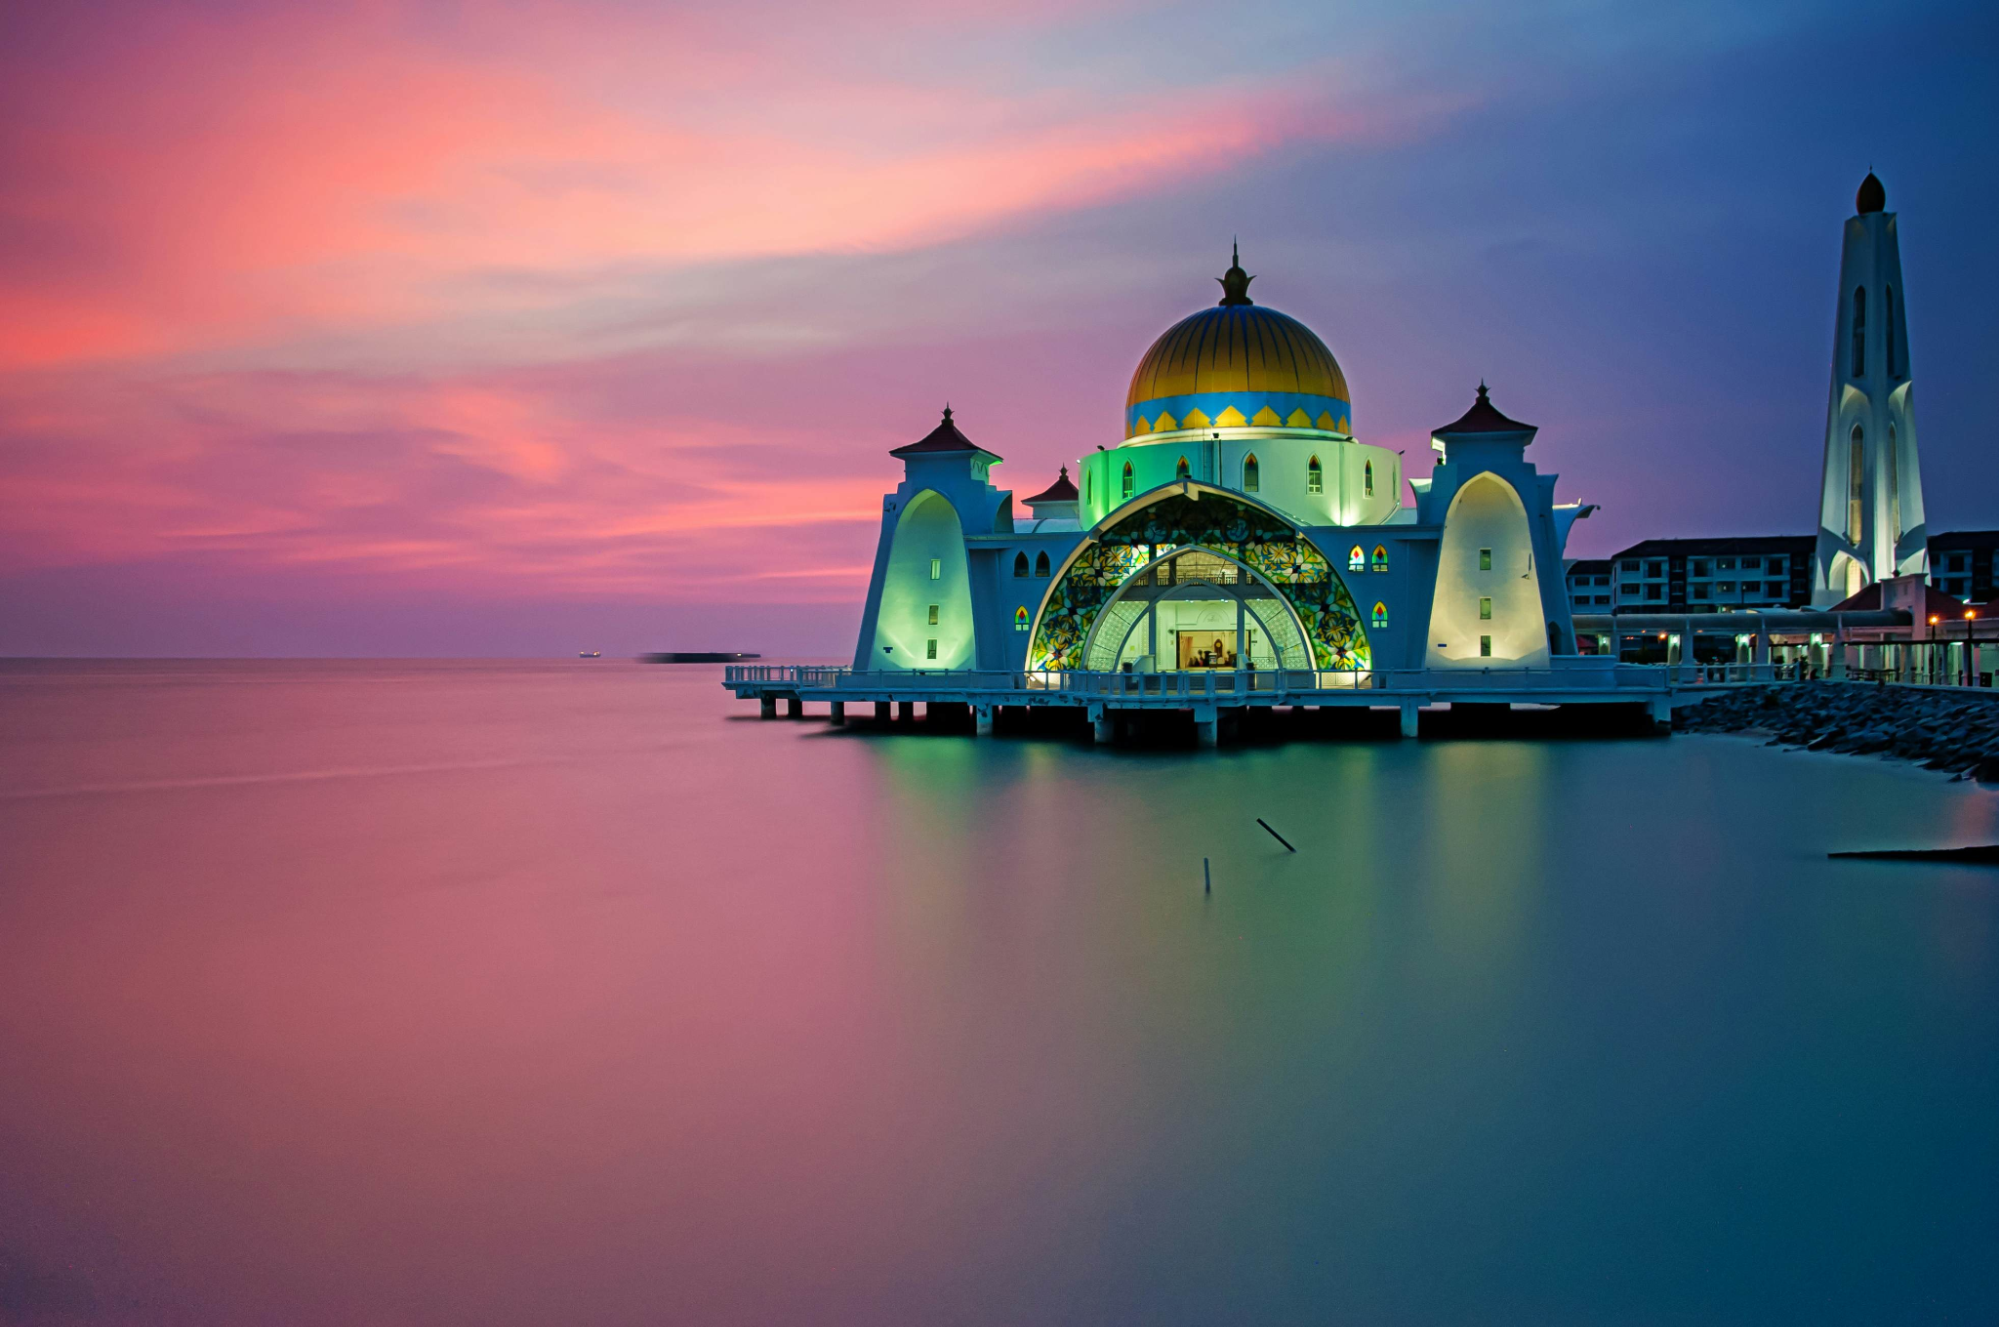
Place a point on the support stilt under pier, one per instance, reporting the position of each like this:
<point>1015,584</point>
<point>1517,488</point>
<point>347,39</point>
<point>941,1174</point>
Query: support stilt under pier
<point>1412,716</point>
<point>837,712</point>
<point>881,712</point>
<point>793,708</point>
<point>984,721</point>
<point>766,707</point>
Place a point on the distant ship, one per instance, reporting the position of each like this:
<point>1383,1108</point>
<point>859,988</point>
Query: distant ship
<point>697,656</point>
<point>589,654</point>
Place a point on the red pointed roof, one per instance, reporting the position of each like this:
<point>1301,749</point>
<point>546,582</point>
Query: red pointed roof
<point>1483,417</point>
<point>1935,603</point>
<point>1061,491</point>
<point>944,438</point>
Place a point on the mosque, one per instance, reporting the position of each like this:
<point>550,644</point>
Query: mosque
<point>1241,524</point>
<point>1241,546</point>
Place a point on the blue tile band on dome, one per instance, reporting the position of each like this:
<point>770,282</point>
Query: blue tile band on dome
<point>1295,410</point>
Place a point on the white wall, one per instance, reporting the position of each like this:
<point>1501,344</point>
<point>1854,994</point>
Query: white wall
<point>1487,514</point>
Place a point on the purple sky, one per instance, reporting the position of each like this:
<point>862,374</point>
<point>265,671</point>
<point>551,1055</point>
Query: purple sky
<point>520,330</point>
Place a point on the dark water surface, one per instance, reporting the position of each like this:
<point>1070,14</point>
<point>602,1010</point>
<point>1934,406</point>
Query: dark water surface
<point>517,991</point>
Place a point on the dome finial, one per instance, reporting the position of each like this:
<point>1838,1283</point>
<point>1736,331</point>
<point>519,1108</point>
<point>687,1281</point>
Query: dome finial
<point>947,412</point>
<point>1235,282</point>
<point>1872,196</point>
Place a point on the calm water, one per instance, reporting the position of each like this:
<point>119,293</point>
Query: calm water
<point>502,992</point>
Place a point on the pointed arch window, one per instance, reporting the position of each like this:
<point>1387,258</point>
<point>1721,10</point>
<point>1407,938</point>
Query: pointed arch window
<point>1888,326</point>
<point>1367,480</point>
<point>1315,476</point>
<point>1020,620</point>
<point>1020,564</point>
<point>1894,490</point>
<point>1127,479</point>
<point>1856,478</point>
<point>1041,564</point>
<point>1181,471</point>
<point>1381,557</point>
<point>1357,559</point>
<point>1252,475</point>
<point>1859,331</point>
<point>1380,614</point>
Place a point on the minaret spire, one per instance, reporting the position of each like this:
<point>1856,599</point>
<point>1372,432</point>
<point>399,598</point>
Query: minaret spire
<point>1871,524</point>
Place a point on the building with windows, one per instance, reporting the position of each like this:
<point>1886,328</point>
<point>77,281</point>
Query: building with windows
<point>1589,585</point>
<point>1965,564</point>
<point>1240,524</point>
<point>1711,575</point>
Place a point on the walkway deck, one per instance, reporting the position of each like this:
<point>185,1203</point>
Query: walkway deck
<point>1575,680</point>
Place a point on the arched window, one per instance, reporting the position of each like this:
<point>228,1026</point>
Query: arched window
<point>1020,564</point>
<point>1859,331</point>
<point>1380,614</point>
<point>1856,477</point>
<point>1252,478</point>
<point>1315,477</point>
<point>1127,479</point>
<point>1380,557</point>
<point>1367,480</point>
<point>1180,472</point>
<point>1041,564</point>
<point>1357,560</point>
<point>1020,620</point>
<point>1894,490</point>
<point>1888,326</point>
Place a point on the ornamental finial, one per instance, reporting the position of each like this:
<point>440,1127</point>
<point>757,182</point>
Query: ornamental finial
<point>1235,282</point>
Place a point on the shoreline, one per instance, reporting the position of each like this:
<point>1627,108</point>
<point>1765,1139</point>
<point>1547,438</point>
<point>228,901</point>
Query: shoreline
<point>1949,730</point>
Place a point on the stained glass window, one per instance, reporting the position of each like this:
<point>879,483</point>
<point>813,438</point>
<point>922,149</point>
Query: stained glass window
<point>1241,535</point>
<point>1020,564</point>
<point>1315,477</point>
<point>1357,559</point>
<point>1380,614</point>
<point>1380,558</point>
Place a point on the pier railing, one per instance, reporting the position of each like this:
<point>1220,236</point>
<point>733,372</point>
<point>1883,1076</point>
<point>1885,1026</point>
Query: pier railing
<point>1562,674</point>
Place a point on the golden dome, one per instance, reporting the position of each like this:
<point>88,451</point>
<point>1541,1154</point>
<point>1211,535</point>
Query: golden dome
<point>1237,364</point>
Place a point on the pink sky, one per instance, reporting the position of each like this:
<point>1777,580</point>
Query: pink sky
<point>559,304</point>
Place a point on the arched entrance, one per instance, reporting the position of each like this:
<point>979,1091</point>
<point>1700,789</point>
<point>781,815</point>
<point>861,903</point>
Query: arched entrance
<point>1196,609</point>
<point>1263,553</point>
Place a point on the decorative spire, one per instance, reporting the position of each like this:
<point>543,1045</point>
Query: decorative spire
<point>1872,197</point>
<point>947,412</point>
<point>1235,282</point>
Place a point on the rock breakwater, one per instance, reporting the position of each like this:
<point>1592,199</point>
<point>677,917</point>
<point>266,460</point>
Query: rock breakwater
<point>1942,729</point>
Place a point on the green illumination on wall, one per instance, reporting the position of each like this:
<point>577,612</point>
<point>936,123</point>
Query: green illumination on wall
<point>925,618</point>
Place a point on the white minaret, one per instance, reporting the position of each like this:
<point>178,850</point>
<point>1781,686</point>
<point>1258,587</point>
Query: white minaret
<point>1871,501</point>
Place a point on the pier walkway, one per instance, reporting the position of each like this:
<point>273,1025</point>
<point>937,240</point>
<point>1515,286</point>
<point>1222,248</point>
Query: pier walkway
<point>1209,695</point>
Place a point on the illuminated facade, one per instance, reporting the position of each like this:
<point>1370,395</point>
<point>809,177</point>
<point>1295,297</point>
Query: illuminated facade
<point>1239,525</point>
<point>1871,525</point>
